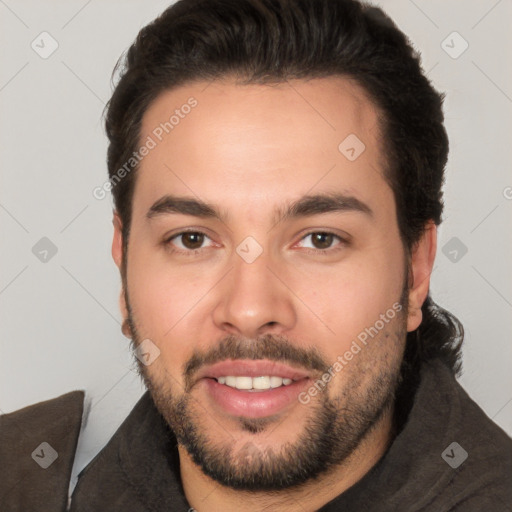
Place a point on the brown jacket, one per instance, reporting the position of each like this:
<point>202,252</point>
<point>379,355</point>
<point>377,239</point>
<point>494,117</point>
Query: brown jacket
<point>37,449</point>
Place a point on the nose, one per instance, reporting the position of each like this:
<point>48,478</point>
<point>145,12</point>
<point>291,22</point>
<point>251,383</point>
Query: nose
<point>253,300</point>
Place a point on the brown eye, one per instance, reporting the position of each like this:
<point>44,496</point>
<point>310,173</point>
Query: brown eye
<point>192,240</point>
<point>188,243</point>
<point>322,240</point>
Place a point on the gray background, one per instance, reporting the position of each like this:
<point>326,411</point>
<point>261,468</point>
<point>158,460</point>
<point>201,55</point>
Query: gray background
<point>60,324</point>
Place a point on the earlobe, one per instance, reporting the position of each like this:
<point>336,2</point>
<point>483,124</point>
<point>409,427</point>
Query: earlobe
<point>422,262</point>
<point>125,327</point>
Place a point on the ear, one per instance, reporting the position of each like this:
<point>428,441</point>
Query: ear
<point>117,255</point>
<point>117,241</point>
<point>421,263</point>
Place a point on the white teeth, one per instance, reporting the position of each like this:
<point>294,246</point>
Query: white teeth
<point>231,381</point>
<point>275,382</point>
<point>264,382</point>
<point>261,382</point>
<point>243,383</point>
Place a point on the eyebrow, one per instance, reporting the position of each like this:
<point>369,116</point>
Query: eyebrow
<point>322,203</point>
<point>303,207</point>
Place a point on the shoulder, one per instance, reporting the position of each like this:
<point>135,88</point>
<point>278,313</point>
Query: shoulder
<point>37,446</point>
<point>476,451</point>
<point>488,441</point>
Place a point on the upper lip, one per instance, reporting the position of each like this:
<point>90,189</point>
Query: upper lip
<point>251,368</point>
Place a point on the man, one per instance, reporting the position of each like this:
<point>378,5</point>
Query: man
<point>276,167</point>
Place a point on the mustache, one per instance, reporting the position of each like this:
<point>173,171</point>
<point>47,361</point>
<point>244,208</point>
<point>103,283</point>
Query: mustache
<point>268,346</point>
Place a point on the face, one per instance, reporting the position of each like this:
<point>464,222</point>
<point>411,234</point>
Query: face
<point>265,264</point>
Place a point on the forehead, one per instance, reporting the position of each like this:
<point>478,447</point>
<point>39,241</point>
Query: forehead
<point>254,144</point>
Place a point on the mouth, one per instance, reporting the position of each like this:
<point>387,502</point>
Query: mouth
<point>252,388</point>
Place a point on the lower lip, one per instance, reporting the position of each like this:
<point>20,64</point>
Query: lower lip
<point>254,404</point>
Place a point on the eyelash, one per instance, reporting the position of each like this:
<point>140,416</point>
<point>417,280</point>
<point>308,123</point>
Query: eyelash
<point>308,250</point>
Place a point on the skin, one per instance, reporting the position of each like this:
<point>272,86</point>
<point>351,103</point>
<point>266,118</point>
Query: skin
<point>249,149</point>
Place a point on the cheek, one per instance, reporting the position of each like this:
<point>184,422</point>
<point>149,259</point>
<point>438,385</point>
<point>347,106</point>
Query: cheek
<point>162,308</point>
<point>352,295</point>
<point>161,295</point>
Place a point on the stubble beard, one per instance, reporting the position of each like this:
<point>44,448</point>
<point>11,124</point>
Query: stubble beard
<point>333,428</point>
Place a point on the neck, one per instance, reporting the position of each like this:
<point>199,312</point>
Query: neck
<point>205,494</point>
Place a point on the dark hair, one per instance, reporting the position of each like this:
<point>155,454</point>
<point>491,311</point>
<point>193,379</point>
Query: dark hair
<point>271,41</point>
